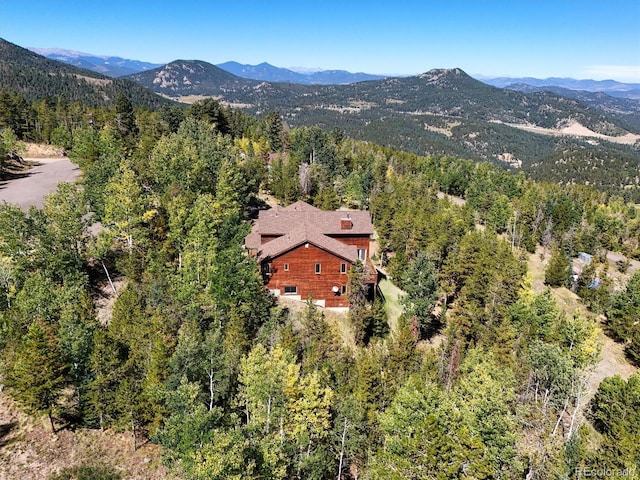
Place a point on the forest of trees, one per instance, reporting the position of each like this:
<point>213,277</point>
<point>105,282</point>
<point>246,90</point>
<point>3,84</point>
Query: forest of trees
<point>199,358</point>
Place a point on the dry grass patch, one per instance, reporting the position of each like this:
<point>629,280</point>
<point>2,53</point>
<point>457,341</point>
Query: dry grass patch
<point>30,451</point>
<point>612,359</point>
<point>339,321</point>
<point>41,150</point>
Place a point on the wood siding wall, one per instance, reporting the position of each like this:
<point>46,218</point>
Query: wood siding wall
<point>358,242</point>
<point>301,274</point>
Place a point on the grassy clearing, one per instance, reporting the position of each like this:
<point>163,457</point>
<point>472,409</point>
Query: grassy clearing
<point>392,306</point>
<point>535,268</point>
<point>567,300</point>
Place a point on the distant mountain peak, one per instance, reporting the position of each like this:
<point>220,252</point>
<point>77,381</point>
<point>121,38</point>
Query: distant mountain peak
<point>440,72</point>
<point>447,77</point>
<point>105,64</point>
<point>35,77</point>
<point>189,76</point>
<point>610,87</point>
<point>47,52</point>
<point>269,73</point>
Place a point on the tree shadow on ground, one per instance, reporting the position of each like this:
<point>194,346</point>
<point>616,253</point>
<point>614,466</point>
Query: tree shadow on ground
<point>7,176</point>
<point>6,429</point>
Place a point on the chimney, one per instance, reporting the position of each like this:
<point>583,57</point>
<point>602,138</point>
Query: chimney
<point>346,223</point>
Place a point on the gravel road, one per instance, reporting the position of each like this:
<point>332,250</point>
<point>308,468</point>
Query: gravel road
<point>29,188</point>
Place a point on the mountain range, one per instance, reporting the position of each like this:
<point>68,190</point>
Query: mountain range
<point>110,66</point>
<point>113,66</point>
<point>583,137</point>
<point>565,136</point>
<point>610,87</point>
<point>117,67</point>
<point>269,73</point>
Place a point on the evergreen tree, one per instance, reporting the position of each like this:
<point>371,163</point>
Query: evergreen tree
<point>210,111</point>
<point>126,121</point>
<point>37,372</point>
<point>557,272</point>
<point>427,436</point>
<point>357,292</point>
<point>274,131</point>
<point>615,411</point>
<point>623,317</point>
<point>420,281</point>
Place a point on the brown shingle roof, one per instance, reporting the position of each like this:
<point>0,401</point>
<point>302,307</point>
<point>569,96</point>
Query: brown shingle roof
<point>300,223</point>
<point>279,221</point>
<point>252,241</point>
<point>306,234</point>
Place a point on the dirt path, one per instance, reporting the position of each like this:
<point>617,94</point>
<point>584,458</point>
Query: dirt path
<point>29,188</point>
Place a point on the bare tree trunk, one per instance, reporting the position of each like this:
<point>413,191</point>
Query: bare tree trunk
<point>211,389</point>
<point>113,287</point>
<point>574,414</point>
<point>555,429</point>
<point>344,437</point>
<point>513,230</point>
<point>269,415</point>
<point>53,428</point>
<point>546,237</point>
<point>133,432</point>
<point>281,430</point>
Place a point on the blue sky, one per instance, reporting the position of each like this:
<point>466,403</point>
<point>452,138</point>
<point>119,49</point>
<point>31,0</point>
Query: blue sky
<point>596,39</point>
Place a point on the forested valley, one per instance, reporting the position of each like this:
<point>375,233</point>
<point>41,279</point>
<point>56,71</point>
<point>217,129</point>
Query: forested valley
<point>197,357</point>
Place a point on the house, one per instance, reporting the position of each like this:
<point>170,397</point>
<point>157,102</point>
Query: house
<point>582,261</point>
<point>304,251</point>
<point>585,258</point>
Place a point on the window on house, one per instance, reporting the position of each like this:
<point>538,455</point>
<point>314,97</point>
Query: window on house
<point>318,268</point>
<point>267,268</point>
<point>362,254</point>
<point>290,290</point>
<point>343,268</point>
<point>344,289</point>
<point>286,267</point>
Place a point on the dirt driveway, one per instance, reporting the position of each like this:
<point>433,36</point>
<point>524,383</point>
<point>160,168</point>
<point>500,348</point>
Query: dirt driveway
<point>29,188</point>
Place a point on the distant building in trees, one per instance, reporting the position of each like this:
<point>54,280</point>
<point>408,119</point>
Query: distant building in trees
<point>585,258</point>
<point>304,251</point>
<point>579,263</point>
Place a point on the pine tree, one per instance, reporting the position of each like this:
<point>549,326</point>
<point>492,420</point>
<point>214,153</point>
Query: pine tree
<point>126,121</point>
<point>37,374</point>
<point>420,281</point>
<point>623,316</point>
<point>557,272</point>
<point>357,301</point>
